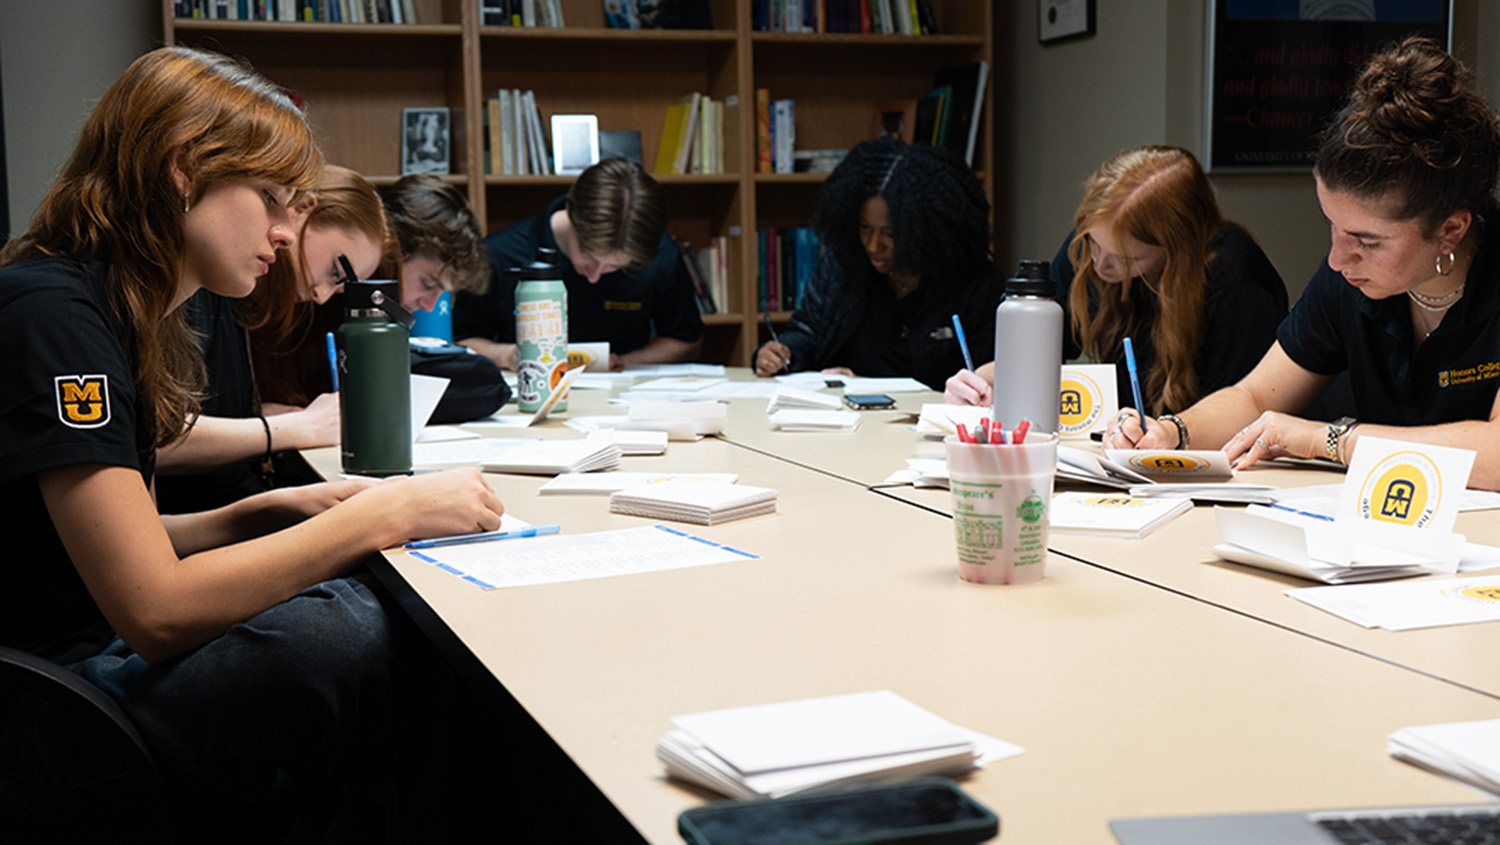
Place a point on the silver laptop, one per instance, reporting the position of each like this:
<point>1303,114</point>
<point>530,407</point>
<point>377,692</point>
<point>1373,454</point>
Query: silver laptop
<point>1336,827</point>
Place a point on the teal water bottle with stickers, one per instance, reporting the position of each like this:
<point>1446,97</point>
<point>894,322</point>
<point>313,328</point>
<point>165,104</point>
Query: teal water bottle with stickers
<point>541,332</point>
<point>374,380</point>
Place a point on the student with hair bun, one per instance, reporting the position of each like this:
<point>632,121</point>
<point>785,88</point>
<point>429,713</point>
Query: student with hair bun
<point>1407,300</point>
<point>905,232</point>
<point>624,276</point>
<point>1152,258</point>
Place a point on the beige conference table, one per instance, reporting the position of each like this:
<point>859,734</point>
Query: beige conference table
<point>1130,699</point>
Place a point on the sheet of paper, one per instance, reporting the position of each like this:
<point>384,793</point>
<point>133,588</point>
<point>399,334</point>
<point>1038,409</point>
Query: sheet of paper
<point>1406,605</point>
<point>1175,464</point>
<point>558,393</point>
<point>460,452</point>
<point>426,392</point>
<point>1399,483</point>
<point>675,370</point>
<point>863,384</point>
<point>604,483</point>
<point>592,357</point>
<point>785,734</point>
<point>1324,499</point>
<point>680,384</point>
<point>1088,399</point>
<point>575,557</point>
<point>440,433</point>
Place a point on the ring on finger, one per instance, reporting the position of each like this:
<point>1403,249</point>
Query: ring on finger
<point>1262,444</point>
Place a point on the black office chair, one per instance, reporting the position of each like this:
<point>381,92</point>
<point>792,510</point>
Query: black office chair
<point>86,706</point>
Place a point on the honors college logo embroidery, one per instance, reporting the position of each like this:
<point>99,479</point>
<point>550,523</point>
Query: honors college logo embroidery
<point>82,401</point>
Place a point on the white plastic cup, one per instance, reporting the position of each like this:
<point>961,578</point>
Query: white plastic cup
<point>1002,496</point>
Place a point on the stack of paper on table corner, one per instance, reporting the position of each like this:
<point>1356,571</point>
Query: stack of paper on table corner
<point>634,441</point>
<point>1465,751</point>
<point>699,502</point>
<point>551,457</point>
<point>790,747</point>
<point>1320,550</point>
<point>791,397</point>
<point>1113,515</point>
<point>804,419</point>
<point>605,483</point>
<point>700,418</point>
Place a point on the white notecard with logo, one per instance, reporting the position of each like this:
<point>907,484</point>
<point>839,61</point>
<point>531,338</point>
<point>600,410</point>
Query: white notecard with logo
<point>1088,399</point>
<point>1394,488</point>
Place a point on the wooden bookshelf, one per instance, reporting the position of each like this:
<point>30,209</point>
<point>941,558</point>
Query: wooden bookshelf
<point>356,78</point>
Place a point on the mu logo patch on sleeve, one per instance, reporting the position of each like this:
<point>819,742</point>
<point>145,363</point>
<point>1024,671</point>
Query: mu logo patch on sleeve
<point>82,401</point>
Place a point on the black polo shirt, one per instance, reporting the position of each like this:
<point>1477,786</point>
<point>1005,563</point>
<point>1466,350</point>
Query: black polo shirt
<point>1454,374</point>
<point>628,308</point>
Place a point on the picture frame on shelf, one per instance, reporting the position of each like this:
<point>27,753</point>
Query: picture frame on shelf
<point>1060,20</point>
<point>426,141</point>
<point>575,142</point>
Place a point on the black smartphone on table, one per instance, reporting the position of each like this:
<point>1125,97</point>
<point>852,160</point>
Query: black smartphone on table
<point>868,401</point>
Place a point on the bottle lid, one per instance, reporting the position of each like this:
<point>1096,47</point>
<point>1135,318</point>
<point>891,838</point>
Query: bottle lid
<point>544,266</point>
<point>384,295</point>
<point>1032,279</point>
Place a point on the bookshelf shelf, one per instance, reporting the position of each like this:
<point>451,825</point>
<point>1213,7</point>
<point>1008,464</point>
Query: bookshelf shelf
<point>355,78</point>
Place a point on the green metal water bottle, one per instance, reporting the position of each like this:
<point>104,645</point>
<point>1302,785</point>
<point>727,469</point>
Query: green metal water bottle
<point>374,380</point>
<point>541,332</point>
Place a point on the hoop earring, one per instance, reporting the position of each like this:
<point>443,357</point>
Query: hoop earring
<point>1451,259</point>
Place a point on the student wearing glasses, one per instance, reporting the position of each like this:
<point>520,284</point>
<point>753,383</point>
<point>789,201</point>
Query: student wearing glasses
<point>624,276</point>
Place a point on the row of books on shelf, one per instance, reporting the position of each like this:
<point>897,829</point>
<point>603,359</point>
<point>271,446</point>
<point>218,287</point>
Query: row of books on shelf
<point>516,144</point>
<point>708,268</point>
<point>785,259</point>
<point>545,13</point>
<point>946,116</point>
<point>775,133</point>
<point>308,11</point>
<point>879,17</point>
<point>692,136</point>
<point>657,14</point>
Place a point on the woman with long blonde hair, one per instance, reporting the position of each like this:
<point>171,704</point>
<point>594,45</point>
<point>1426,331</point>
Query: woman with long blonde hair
<point>229,637</point>
<point>1152,258</point>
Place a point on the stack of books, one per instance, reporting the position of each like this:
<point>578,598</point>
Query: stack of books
<point>547,13</point>
<point>692,137</point>
<point>775,133</point>
<point>691,500</point>
<point>305,11</point>
<point>708,269</point>
<point>517,143</point>
<point>790,747</point>
<point>785,260</point>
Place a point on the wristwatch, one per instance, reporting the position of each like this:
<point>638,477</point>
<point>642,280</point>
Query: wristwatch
<point>1336,431</point>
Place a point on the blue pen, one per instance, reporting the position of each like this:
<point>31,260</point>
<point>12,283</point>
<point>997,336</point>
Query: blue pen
<point>485,537</point>
<point>1135,381</point>
<point>333,362</point>
<point>963,343</point>
<point>1281,507</point>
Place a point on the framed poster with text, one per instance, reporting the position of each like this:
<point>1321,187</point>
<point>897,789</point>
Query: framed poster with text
<point>1279,69</point>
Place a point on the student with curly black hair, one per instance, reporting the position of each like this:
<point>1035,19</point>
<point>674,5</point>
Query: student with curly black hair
<point>906,245</point>
<point>1407,301</point>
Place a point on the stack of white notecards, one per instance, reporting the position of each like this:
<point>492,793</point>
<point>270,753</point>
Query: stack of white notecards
<point>806,419</point>
<point>550,457</point>
<point>634,441</point>
<point>1467,751</point>
<point>796,746</point>
<point>688,500</point>
<point>605,483</point>
<point>791,397</point>
<point>1113,514</point>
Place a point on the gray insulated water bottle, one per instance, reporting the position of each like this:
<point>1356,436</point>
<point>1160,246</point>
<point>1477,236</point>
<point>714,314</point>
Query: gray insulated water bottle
<point>374,380</point>
<point>1028,350</point>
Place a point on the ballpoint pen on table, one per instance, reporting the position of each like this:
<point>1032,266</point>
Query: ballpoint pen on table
<point>484,537</point>
<point>963,343</point>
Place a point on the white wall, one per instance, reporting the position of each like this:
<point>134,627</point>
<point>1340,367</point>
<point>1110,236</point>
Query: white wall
<point>58,57</point>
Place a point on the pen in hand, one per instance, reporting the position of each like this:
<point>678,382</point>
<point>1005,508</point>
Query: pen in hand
<point>963,343</point>
<point>786,362</point>
<point>1135,383</point>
